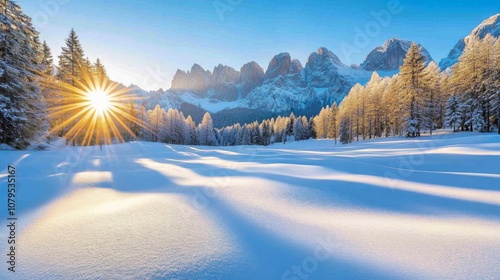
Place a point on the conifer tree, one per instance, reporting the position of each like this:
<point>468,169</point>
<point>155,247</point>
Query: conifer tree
<point>494,81</point>
<point>414,79</point>
<point>99,70</point>
<point>71,60</point>
<point>453,115</point>
<point>206,131</point>
<point>47,60</point>
<point>21,108</point>
<point>265,133</point>
<point>333,118</point>
<point>156,119</point>
<point>134,127</point>
<point>290,124</point>
<point>322,121</point>
<point>431,98</point>
<point>191,136</point>
<point>312,128</point>
<point>468,76</point>
<point>345,131</point>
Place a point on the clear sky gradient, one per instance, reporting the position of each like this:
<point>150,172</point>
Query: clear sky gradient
<point>144,42</point>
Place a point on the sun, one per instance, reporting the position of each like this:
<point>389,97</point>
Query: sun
<point>92,110</point>
<point>99,101</point>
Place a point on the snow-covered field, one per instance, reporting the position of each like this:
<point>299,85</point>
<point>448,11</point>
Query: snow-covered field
<point>391,208</point>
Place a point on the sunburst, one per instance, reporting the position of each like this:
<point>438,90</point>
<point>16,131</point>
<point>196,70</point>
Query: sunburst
<point>99,101</point>
<point>92,110</point>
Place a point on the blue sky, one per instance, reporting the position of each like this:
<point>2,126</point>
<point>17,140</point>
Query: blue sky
<point>145,42</point>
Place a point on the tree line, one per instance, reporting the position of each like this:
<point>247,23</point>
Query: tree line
<point>421,98</point>
<point>172,127</point>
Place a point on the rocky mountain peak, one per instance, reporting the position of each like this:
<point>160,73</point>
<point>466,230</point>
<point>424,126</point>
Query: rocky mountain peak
<point>197,80</point>
<point>252,76</point>
<point>390,55</point>
<point>282,65</point>
<point>224,74</point>
<point>325,54</point>
<point>322,69</point>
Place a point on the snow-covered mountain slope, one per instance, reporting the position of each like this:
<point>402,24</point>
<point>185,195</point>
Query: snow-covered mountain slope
<point>392,208</point>
<point>390,56</point>
<point>489,26</point>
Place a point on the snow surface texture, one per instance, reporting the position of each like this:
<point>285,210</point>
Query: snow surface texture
<point>396,208</point>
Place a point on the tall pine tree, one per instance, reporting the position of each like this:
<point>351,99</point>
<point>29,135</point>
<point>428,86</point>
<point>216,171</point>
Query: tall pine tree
<point>71,60</point>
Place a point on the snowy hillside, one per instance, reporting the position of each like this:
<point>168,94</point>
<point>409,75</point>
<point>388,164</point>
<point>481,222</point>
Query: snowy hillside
<point>387,208</point>
<point>489,26</point>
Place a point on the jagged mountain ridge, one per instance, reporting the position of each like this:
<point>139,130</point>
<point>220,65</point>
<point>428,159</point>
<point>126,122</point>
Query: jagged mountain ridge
<point>285,86</point>
<point>489,26</point>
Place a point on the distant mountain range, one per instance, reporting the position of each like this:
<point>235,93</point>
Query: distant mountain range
<point>250,93</point>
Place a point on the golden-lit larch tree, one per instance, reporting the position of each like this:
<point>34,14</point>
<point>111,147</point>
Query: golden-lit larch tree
<point>413,79</point>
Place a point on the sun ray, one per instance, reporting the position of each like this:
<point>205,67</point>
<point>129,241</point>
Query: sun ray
<point>92,110</point>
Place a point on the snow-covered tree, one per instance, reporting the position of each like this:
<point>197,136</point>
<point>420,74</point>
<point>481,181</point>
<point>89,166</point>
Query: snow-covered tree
<point>72,63</point>
<point>414,80</point>
<point>453,114</point>
<point>494,84</point>
<point>21,107</point>
<point>431,98</point>
<point>190,137</point>
<point>345,131</point>
<point>300,129</point>
<point>156,119</point>
<point>206,131</point>
<point>473,115</point>
<point>468,79</point>
<point>47,60</point>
